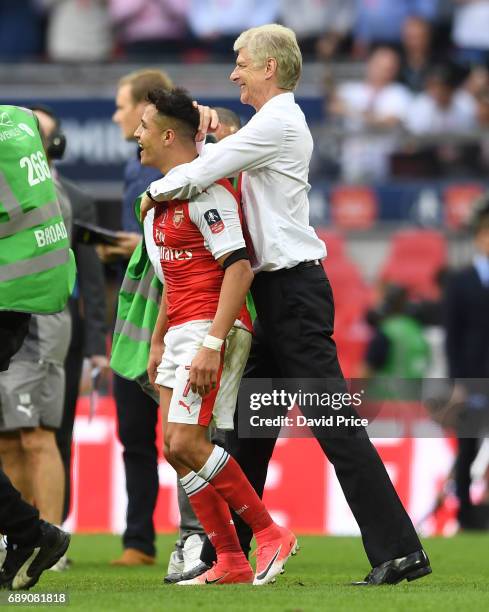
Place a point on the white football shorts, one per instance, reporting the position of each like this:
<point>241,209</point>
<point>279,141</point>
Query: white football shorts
<point>182,343</point>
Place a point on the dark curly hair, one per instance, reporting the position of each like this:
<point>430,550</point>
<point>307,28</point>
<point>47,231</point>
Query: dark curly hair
<point>176,105</point>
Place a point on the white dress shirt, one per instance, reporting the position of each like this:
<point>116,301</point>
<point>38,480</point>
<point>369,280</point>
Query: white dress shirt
<point>273,150</point>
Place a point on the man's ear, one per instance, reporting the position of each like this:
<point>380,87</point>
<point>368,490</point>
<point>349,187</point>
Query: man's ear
<point>168,137</point>
<point>270,67</point>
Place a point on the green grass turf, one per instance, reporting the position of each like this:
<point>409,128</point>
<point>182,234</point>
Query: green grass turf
<point>316,579</point>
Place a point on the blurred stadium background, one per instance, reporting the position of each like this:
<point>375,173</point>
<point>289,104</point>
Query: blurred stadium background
<point>391,196</point>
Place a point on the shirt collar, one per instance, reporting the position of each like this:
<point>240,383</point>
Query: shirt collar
<point>286,97</point>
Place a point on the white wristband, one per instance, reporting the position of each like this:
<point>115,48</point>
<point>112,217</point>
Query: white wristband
<point>211,342</point>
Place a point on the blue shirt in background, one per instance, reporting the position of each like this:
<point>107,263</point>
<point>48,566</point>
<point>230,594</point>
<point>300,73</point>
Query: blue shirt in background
<point>136,180</point>
<point>381,20</point>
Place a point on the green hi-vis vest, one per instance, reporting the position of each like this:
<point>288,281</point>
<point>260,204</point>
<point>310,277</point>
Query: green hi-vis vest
<point>37,267</point>
<point>137,311</point>
<point>409,352</point>
<point>400,378</point>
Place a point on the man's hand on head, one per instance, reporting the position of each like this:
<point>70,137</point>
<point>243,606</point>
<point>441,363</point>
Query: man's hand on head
<point>209,121</point>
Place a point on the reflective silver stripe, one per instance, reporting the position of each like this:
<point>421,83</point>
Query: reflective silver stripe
<point>34,265</point>
<point>142,287</point>
<point>131,331</point>
<point>30,219</point>
<point>7,197</point>
<point>154,294</point>
<point>119,324</point>
<point>130,285</point>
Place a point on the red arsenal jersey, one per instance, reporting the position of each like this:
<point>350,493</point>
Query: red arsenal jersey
<point>191,235</point>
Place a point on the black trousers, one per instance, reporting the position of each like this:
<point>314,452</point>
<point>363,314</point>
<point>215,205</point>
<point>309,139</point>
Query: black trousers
<point>293,339</point>
<point>137,417</point>
<point>19,521</point>
<point>467,452</point>
<point>64,435</point>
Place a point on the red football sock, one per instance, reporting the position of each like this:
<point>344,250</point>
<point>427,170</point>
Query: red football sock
<point>231,482</point>
<point>214,516</point>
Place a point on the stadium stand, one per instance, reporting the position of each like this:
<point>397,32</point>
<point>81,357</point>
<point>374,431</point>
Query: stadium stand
<point>415,258</point>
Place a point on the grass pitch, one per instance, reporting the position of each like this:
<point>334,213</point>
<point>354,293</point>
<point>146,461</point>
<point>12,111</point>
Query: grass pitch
<point>316,579</point>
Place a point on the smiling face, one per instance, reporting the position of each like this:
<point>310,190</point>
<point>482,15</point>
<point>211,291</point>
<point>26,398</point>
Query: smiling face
<point>252,80</point>
<point>151,138</point>
<point>128,113</point>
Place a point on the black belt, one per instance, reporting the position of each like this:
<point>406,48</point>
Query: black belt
<point>306,264</point>
<point>302,266</point>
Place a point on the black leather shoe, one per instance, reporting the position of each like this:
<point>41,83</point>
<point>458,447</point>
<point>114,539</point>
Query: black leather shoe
<point>414,566</point>
<point>193,573</point>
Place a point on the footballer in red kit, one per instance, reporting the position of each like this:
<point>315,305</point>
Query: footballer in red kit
<point>200,345</point>
<point>191,237</point>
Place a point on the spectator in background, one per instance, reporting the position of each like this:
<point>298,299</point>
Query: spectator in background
<point>482,145</point>
<point>25,18</point>
<point>150,28</point>
<point>398,349</point>
<point>381,21</point>
<point>477,80</point>
<point>467,345</point>
<point>217,24</point>
<point>417,57</point>
<point>78,31</point>
<point>321,26</point>
<point>482,113</point>
<point>442,107</point>
<point>379,105</point>
<point>473,156</point>
<point>470,32</point>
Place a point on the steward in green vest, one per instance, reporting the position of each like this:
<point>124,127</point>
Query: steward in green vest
<point>37,267</point>
<point>137,311</point>
<point>409,354</point>
<point>399,354</point>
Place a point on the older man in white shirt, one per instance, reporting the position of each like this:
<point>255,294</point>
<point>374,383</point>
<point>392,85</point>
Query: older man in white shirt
<point>293,298</point>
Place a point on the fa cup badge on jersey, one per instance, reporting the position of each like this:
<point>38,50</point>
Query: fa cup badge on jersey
<point>214,220</point>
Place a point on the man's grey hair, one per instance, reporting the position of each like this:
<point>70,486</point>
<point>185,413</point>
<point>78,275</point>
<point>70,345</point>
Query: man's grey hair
<point>228,117</point>
<point>278,42</point>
